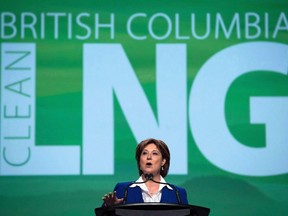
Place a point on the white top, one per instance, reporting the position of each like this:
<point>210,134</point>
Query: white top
<point>145,193</point>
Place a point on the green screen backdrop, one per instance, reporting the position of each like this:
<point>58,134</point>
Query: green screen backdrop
<point>82,82</point>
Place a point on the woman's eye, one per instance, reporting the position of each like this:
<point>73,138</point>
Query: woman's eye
<point>144,153</point>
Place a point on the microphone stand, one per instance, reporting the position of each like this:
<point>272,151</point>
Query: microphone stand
<point>149,177</point>
<point>176,191</point>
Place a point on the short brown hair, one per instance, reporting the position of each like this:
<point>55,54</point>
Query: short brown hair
<point>163,148</point>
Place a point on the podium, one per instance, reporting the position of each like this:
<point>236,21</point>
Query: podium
<point>152,209</point>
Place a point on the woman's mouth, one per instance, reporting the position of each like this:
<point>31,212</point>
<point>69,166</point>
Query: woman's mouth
<point>149,164</point>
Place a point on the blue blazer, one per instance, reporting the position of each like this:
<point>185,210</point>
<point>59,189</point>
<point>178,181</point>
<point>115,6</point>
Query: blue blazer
<point>134,194</point>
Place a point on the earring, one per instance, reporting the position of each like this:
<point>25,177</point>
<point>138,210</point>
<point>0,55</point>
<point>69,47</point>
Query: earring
<point>162,168</point>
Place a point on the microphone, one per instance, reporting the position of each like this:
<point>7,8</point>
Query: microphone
<point>150,177</point>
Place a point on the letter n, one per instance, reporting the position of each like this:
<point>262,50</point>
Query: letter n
<point>106,69</point>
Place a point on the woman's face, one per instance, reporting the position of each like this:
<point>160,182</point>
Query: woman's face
<point>151,160</point>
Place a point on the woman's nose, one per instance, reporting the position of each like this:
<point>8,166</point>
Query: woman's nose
<point>148,156</point>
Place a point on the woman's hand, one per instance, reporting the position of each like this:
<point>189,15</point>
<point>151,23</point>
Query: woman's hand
<point>111,199</point>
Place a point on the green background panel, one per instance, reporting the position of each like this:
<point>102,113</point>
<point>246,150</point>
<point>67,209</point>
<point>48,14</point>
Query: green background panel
<point>59,105</point>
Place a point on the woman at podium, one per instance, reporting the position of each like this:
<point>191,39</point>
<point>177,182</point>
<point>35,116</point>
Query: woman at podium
<point>153,161</point>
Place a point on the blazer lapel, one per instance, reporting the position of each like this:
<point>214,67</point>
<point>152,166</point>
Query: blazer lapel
<point>168,196</point>
<point>134,195</point>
